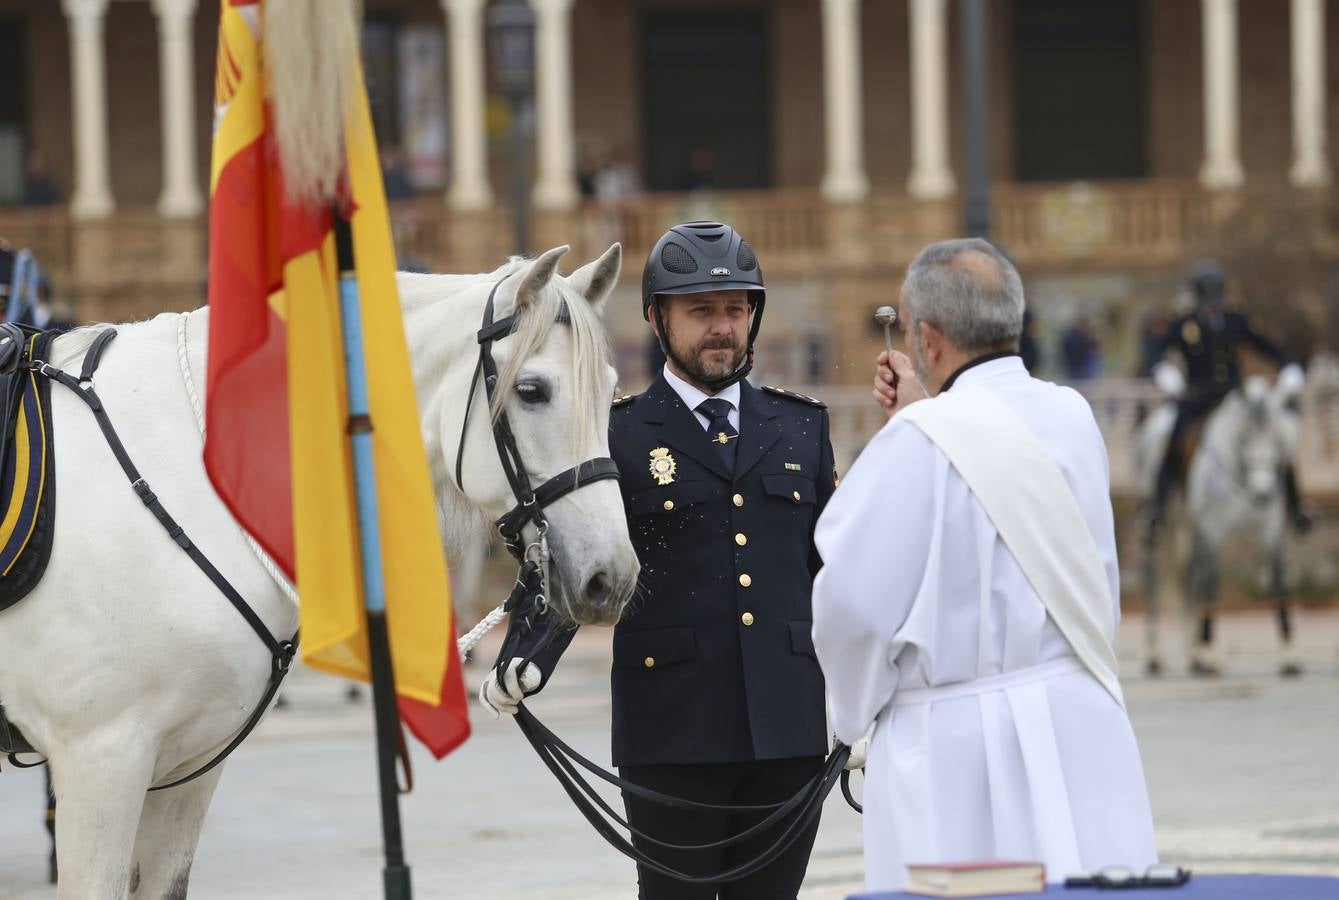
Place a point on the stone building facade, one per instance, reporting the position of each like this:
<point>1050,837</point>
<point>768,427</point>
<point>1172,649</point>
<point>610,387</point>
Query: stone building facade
<point>1128,136</point>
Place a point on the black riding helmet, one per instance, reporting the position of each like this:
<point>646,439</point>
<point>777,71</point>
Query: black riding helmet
<point>695,258</point>
<point>1208,282</point>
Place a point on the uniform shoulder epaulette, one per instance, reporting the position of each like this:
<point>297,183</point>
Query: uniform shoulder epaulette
<point>623,401</point>
<point>782,392</point>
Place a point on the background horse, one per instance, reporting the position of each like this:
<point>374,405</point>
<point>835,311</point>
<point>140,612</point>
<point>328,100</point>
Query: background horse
<point>1234,493</point>
<point>126,667</point>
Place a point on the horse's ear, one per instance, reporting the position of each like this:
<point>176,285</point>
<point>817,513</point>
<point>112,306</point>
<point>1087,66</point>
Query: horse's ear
<point>595,280</point>
<point>537,277</point>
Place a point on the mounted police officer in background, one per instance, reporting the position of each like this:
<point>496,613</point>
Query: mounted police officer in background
<point>1208,339</point>
<point>717,693</point>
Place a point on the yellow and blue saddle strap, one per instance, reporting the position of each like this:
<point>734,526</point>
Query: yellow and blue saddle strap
<point>23,478</point>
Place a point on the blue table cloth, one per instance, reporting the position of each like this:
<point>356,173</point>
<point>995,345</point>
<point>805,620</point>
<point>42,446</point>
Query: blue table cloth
<point>1200,887</point>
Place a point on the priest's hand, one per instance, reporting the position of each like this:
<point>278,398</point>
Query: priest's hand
<point>895,383</point>
<point>505,695</point>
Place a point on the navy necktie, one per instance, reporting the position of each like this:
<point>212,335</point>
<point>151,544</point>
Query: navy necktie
<point>720,432</point>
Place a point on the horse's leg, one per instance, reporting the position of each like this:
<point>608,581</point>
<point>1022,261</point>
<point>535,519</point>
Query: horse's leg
<point>100,789</point>
<point>169,829</point>
<point>50,824</point>
<point>1278,590</point>
<point>1203,577</point>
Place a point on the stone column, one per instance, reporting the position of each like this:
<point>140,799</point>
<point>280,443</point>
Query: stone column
<point>1311,166</point>
<point>844,181</point>
<point>469,190</point>
<point>1222,131</point>
<point>931,178</point>
<point>555,178</point>
<point>181,197</point>
<point>92,197</point>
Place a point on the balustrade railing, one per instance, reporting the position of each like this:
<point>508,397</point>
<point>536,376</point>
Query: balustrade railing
<point>1119,406</point>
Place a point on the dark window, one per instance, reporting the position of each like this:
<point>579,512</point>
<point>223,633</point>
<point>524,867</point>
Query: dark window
<point>13,116</point>
<point>1079,83</point>
<point>380,70</point>
<point>706,98</point>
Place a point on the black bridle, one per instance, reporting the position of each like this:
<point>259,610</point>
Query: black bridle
<point>530,503</point>
<point>529,610</point>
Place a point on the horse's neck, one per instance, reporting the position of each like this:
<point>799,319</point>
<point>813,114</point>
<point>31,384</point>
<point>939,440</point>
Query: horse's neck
<point>443,353</point>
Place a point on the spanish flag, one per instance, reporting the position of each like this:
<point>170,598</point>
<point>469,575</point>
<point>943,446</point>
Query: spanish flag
<point>276,410</point>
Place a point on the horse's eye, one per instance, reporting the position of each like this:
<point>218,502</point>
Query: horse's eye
<point>532,391</point>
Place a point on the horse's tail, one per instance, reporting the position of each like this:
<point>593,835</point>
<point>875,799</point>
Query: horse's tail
<point>311,57</point>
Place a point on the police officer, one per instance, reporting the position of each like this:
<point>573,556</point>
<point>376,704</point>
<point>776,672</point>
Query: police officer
<point>717,693</point>
<point>1208,339</point>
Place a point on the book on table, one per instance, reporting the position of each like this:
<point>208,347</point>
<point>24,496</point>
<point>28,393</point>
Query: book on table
<point>981,878</point>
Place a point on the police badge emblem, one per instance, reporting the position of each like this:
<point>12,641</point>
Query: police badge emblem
<point>663,465</point>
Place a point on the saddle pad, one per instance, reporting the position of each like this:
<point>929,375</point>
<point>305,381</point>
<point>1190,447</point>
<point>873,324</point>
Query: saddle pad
<point>27,482</point>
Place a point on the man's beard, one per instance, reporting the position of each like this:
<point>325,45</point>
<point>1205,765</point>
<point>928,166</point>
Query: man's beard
<point>705,371</point>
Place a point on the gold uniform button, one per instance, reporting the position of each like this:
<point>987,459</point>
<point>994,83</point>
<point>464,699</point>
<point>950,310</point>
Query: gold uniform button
<point>741,539</point>
<point>747,618</point>
<point>669,504</point>
<point>796,495</point>
<point>739,499</point>
<point>745,580</point>
<point>650,662</point>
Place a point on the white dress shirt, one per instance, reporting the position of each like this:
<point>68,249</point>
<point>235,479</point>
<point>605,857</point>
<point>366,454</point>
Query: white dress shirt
<point>692,396</point>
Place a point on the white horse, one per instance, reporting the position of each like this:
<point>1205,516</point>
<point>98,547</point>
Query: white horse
<point>1234,492</point>
<point>126,666</point>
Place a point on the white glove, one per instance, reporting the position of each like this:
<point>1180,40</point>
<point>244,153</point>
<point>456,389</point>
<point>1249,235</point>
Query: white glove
<point>503,697</point>
<point>860,751</point>
<point>1291,379</point>
<point>1169,379</point>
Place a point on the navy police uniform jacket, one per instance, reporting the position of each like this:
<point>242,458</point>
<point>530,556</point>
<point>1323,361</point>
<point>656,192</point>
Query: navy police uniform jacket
<point>714,660</point>
<point>1209,344</point>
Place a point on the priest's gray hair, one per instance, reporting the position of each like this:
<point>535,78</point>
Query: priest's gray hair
<point>970,291</point>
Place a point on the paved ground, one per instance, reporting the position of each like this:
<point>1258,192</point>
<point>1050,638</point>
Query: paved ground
<point>1242,772</point>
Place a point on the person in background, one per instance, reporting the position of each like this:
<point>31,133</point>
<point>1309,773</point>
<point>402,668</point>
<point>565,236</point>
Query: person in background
<point>394,174</point>
<point>1080,350</point>
<point>39,185</point>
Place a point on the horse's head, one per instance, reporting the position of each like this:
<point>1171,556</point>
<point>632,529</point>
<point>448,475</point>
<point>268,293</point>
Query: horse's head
<point>554,385</point>
<point>1265,436</point>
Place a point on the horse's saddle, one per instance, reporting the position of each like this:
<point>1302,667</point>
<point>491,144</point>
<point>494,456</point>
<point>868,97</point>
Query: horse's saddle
<point>27,464</point>
<point>27,479</point>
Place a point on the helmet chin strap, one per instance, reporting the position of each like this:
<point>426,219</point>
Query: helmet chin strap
<point>714,386</point>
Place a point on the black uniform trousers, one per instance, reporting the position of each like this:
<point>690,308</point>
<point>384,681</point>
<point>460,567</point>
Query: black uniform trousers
<point>765,781</point>
<point>1189,411</point>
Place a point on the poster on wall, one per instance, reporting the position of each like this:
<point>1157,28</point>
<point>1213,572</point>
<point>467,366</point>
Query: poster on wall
<point>424,136</point>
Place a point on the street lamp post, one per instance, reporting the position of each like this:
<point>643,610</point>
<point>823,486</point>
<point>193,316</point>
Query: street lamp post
<point>976,87</point>
<point>511,45</point>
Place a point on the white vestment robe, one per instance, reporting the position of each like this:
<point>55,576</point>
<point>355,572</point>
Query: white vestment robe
<point>993,741</point>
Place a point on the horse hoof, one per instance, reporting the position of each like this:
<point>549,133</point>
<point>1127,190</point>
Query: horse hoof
<point>1203,670</point>
<point>1153,668</point>
<point>1290,670</point>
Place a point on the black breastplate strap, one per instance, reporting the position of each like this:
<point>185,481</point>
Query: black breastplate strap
<point>281,652</point>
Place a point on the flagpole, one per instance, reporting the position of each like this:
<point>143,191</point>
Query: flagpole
<point>395,875</point>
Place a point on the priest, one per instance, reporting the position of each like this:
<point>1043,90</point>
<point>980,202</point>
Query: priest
<point>967,607</point>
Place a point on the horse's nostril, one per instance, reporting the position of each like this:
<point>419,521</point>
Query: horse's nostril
<point>599,589</point>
